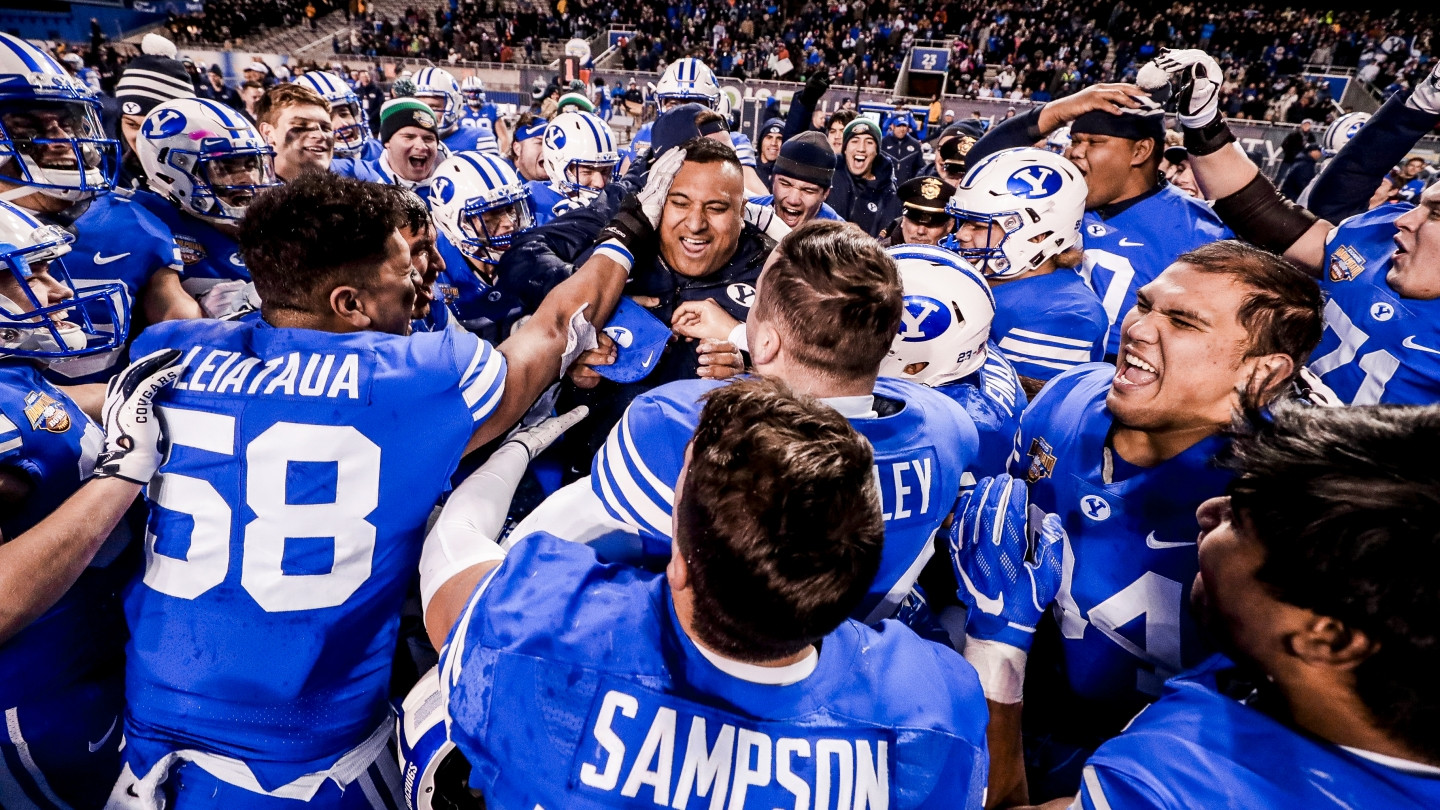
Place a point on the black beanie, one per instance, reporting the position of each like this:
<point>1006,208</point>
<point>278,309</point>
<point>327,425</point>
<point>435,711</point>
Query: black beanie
<point>150,80</point>
<point>1133,126</point>
<point>807,157</point>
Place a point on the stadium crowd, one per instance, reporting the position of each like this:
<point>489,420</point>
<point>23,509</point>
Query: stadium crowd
<point>373,446</point>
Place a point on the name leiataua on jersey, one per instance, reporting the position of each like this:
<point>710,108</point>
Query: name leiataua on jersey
<point>285,524</point>
<point>1378,348</point>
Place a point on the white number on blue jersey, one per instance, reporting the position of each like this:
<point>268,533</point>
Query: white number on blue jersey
<point>1122,273</point>
<point>357,493</point>
<point>1379,366</point>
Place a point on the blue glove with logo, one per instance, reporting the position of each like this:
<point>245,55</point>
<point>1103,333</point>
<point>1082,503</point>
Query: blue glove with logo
<point>1007,580</point>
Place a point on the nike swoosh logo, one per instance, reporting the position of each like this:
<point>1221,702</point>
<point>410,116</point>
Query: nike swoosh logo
<point>96,746</point>
<point>1161,544</point>
<point>1410,343</point>
<point>648,360</point>
<point>108,259</point>
<point>985,603</point>
<point>1127,243</point>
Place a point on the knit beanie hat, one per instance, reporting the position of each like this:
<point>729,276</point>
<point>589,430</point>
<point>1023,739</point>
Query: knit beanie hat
<point>398,113</point>
<point>152,78</point>
<point>577,99</point>
<point>857,127</point>
<point>807,158</point>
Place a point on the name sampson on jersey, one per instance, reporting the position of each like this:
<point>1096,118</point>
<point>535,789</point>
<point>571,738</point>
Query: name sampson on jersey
<point>293,374</point>
<point>682,756</point>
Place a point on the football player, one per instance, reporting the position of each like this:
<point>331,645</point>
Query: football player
<point>1018,214</point>
<point>480,205</point>
<point>828,306</point>
<point>1380,269</point>
<point>734,674</point>
<point>431,314</point>
<point>944,343</point>
<point>206,163</point>
<point>690,81</point>
<point>287,518</point>
<point>437,88</point>
<point>62,633</point>
<point>296,121</point>
<point>477,106</point>
<point>1122,456</point>
<point>1315,577</point>
<point>1135,224</point>
<point>580,159</point>
<point>57,163</point>
<point>353,140</point>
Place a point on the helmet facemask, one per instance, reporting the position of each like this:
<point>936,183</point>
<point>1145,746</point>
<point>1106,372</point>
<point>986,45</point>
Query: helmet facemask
<point>95,320</point>
<point>58,148</point>
<point>489,226</point>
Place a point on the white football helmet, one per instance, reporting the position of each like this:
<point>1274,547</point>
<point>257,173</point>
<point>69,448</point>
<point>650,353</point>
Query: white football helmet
<point>1059,140</point>
<point>576,139</point>
<point>95,320</point>
<point>474,90</point>
<point>205,158</point>
<point>474,196</point>
<point>350,138</point>
<point>435,773</point>
<point>51,138</point>
<point>433,82</point>
<point>1340,131</point>
<point>1035,196</point>
<point>946,322</point>
<point>686,80</point>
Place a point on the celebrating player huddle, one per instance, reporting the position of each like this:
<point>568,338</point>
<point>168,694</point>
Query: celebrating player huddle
<point>433,458</point>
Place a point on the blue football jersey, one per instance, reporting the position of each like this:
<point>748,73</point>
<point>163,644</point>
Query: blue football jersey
<point>1130,550</point>
<point>639,143</point>
<point>1127,251</point>
<point>572,684</point>
<point>923,442</point>
<point>376,171</point>
<point>1377,346</point>
<point>485,112</point>
<point>285,526</point>
<point>474,303</point>
<point>1047,324</point>
<point>61,676</point>
<point>438,317</point>
<point>478,137</point>
<point>546,203</point>
<point>994,399</point>
<point>207,254</point>
<point>1200,747</point>
<point>117,241</point>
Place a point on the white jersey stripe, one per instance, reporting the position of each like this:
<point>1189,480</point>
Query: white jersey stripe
<point>22,751</point>
<point>1009,345</point>
<point>1026,333</point>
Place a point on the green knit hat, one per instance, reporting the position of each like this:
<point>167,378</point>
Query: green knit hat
<point>577,99</point>
<point>399,113</point>
<point>858,126</point>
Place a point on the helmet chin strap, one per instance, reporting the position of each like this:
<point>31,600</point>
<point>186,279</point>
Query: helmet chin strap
<point>35,338</point>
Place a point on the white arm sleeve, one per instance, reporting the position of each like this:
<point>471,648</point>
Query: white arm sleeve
<point>465,533</point>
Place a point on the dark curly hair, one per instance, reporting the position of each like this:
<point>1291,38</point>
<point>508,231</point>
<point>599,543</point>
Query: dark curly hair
<point>1346,502</point>
<point>302,239</point>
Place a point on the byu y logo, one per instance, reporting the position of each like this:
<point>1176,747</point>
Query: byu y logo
<point>1033,182</point>
<point>443,188</point>
<point>164,124</point>
<point>924,318</point>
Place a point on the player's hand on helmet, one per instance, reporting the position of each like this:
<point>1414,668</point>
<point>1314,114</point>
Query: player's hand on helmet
<point>719,360</point>
<point>582,373</point>
<point>542,434</point>
<point>657,184</point>
<point>1198,78</point>
<point>134,439</point>
<point>703,319</point>
<point>1007,579</point>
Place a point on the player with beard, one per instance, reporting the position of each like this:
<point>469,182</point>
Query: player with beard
<point>1120,457</point>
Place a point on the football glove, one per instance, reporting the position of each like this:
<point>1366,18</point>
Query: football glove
<point>1007,580</point>
<point>133,436</point>
<point>1198,77</point>
<point>1426,95</point>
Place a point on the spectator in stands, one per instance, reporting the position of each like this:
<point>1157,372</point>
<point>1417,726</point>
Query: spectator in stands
<point>250,94</point>
<point>1295,144</point>
<point>903,148</point>
<point>835,127</point>
<point>371,96</point>
<point>295,121</point>
<point>1301,172</point>
<point>215,89</point>
<point>864,190</point>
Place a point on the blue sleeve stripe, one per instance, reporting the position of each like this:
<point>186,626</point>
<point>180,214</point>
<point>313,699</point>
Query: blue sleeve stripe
<point>1064,341</point>
<point>629,486</point>
<point>1092,795</point>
